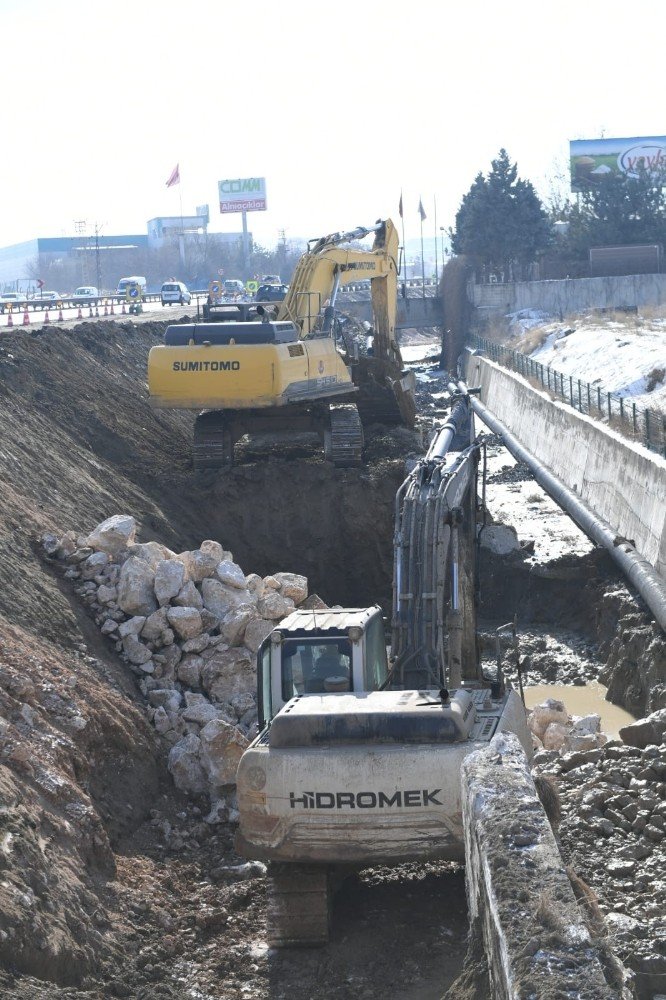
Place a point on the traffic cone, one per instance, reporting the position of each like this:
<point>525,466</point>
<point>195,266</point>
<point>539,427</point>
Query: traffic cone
<point>10,321</point>
<point>26,317</point>
<point>46,317</point>
<point>111,312</point>
<point>106,309</point>
<point>96,310</point>
<point>124,310</point>
<point>61,318</point>
<point>80,316</point>
<point>90,313</point>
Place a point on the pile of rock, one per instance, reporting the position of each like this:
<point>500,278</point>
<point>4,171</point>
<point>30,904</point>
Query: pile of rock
<point>553,728</point>
<point>613,832</point>
<point>188,625</point>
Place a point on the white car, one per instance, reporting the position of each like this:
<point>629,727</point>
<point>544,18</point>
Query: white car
<point>13,299</point>
<point>175,291</point>
<point>48,296</point>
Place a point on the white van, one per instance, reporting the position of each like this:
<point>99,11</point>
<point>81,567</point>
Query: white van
<point>136,279</point>
<point>175,291</point>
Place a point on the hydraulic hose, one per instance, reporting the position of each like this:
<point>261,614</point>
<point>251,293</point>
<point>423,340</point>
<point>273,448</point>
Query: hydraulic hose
<point>649,584</point>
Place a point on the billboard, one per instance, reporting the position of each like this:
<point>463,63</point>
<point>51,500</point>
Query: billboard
<point>242,194</point>
<point>592,159</point>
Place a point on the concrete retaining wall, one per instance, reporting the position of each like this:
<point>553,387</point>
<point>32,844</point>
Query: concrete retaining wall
<point>622,482</point>
<point>534,935</point>
<point>572,295</point>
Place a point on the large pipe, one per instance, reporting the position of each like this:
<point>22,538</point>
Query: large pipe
<point>638,570</point>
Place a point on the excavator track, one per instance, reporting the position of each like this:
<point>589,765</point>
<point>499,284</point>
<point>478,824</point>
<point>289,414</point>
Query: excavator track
<point>343,443</point>
<point>298,905</point>
<point>213,442</point>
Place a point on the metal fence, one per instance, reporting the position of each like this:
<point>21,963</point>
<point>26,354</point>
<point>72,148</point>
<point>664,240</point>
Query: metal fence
<point>623,415</point>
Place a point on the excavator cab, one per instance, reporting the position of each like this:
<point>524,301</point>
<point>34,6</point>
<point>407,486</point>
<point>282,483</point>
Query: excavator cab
<point>321,652</point>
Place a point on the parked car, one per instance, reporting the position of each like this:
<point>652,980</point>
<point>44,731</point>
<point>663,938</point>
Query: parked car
<point>175,291</point>
<point>271,293</point>
<point>233,286</point>
<point>13,299</point>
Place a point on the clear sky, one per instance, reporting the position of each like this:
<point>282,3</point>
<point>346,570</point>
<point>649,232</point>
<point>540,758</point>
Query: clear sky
<point>340,106</point>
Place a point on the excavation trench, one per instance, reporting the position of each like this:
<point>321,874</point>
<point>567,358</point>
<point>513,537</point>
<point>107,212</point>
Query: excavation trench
<point>159,910</point>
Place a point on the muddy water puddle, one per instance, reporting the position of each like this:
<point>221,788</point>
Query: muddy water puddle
<point>583,700</point>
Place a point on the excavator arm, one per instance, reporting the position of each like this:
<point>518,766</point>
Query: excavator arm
<point>328,265</point>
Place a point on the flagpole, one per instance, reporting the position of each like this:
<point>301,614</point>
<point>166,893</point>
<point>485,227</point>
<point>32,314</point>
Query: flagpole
<point>404,249</point>
<point>422,257</point>
<point>182,224</point>
<point>436,261</point>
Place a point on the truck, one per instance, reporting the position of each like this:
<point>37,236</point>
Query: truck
<point>250,368</point>
<point>358,755</point>
<point>125,283</point>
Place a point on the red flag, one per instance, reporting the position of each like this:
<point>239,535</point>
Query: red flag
<point>400,206</point>
<point>174,178</point>
<point>421,210</point>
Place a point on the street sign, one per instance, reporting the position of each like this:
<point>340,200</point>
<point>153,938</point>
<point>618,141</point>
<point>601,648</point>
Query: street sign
<point>251,287</point>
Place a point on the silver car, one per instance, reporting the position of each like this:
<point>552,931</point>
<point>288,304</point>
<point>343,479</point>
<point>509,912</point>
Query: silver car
<point>175,291</point>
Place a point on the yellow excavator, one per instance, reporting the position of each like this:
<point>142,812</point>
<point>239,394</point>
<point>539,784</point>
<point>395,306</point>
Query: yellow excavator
<point>252,369</point>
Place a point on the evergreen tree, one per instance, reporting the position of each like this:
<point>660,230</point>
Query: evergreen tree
<point>501,220</point>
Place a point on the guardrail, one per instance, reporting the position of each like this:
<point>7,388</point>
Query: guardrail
<point>640,423</point>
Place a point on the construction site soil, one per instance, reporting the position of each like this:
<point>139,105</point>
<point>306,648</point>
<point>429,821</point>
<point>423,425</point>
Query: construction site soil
<point>112,884</point>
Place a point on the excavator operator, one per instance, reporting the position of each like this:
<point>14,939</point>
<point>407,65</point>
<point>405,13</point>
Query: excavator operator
<point>331,670</point>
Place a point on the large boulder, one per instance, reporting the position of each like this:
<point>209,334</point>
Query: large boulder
<point>274,606</point>
<point>293,585</point>
<point>112,535</point>
<point>199,564</point>
<point>231,574</point>
<point>235,622</point>
<point>151,552</point>
<point>189,597</point>
<point>155,625</point>
<point>186,622</point>
<point>219,599</point>
<point>136,594</point>
<point>646,732</point>
<point>170,577</point>
<point>228,673</point>
<point>135,651</point>
<point>222,746</point>
<point>186,767</point>
<point>549,711</point>
<point>256,631</point>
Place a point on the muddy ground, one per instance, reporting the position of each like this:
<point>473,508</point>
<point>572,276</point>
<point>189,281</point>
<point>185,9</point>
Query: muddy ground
<point>111,884</point>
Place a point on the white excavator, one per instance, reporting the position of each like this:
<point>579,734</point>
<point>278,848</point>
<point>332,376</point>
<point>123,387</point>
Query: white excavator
<point>357,761</point>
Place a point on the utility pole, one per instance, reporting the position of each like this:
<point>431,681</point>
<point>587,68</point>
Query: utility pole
<point>98,259</point>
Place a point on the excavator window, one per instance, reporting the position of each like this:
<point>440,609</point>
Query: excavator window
<point>375,665</point>
<point>315,666</point>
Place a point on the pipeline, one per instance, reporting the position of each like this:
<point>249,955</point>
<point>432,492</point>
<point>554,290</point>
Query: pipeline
<point>641,574</point>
